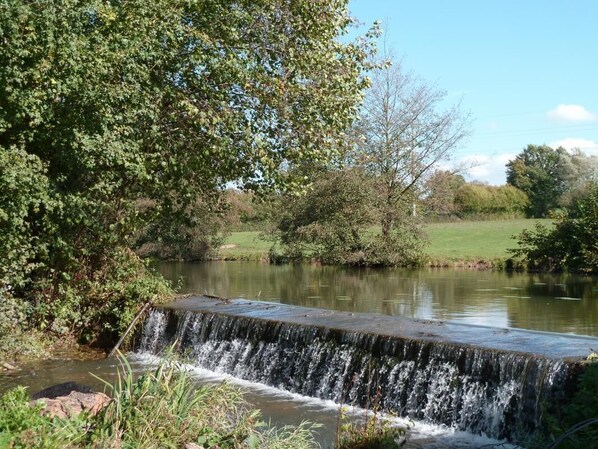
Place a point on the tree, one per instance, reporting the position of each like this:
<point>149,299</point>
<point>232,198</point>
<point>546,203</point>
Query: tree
<point>571,245</point>
<point>406,132</point>
<point>582,171</point>
<point>330,220</point>
<point>542,173</point>
<point>439,193</point>
<point>163,101</point>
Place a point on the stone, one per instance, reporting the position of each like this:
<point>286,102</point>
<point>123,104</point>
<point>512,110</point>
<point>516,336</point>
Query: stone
<point>69,399</point>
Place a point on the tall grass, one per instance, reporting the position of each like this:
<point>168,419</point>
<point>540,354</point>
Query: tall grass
<point>163,408</point>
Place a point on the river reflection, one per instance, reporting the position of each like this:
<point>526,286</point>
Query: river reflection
<point>556,303</point>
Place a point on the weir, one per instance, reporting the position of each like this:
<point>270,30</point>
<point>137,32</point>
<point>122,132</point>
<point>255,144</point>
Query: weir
<point>483,380</point>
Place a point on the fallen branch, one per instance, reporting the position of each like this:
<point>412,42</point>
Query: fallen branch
<point>120,341</point>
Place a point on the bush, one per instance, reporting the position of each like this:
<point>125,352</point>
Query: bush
<point>571,245</point>
<point>374,433</point>
<point>481,200</point>
<point>577,427</point>
<point>329,221</point>
<point>15,339</point>
<point>98,308</point>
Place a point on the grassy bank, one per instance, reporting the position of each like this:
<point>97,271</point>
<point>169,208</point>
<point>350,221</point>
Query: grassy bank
<point>163,408</point>
<point>465,241</point>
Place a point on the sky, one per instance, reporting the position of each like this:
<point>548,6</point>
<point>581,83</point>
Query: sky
<point>527,70</point>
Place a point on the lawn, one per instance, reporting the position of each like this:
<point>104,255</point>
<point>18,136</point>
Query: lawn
<point>245,245</point>
<point>469,240</point>
<point>460,241</point>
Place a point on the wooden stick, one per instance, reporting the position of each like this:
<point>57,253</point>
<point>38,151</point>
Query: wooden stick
<point>120,341</point>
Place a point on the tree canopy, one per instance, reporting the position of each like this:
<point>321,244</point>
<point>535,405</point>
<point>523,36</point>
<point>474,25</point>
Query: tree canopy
<point>110,103</point>
<point>405,130</point>
<point>551,178</point>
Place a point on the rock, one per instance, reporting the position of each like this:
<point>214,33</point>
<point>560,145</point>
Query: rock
<point>69,399</point>
<point>8,367</point>
<point>63,389</point>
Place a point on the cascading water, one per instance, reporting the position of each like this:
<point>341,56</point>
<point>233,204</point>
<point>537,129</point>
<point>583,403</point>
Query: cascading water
<point>482,390</point>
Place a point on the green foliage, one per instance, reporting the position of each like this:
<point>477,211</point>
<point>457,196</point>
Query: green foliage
<point>164,408</point>
<point>332,223</point>
<point>161,409</point>
<point>25,201</point>
<point>98,309</point>
<point>571,245</point>
<point>196,236</point>
<point>479,200</point>
<point>17,340</point>
<point>105,105</point>
<point>22,426</point>
<point>328,222</point>
<point>551,177</point>
<point>374,433</point>
<point>577,426</point>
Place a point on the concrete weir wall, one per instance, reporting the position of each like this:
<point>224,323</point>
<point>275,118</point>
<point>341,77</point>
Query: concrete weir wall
<point>480,379</point>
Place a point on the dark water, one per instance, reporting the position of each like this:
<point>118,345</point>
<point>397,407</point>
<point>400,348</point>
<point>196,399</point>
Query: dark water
<point>555,303</point>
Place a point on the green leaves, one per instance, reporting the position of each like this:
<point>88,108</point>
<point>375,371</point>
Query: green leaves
<point>571,245</point>
<point>107,106</point>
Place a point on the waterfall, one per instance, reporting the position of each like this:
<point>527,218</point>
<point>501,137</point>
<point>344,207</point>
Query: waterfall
<point>496,392</point>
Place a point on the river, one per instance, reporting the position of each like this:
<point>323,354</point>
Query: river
<point>544,302</point>
<point>554,303</point>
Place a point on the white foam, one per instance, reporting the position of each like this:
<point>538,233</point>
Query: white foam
<point>432,436</point>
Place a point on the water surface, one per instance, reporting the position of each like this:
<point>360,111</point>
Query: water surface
<point>544,302</point>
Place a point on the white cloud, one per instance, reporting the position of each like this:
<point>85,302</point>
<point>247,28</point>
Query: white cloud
<point>571,113</point>
<point>589,147</point>
<point>488,168</point>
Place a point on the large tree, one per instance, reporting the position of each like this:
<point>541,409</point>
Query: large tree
<point>542,173</point>
<point>407,129</point>
<point>117,102</point>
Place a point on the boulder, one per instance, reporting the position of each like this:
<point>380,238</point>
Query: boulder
<point>69,399</point>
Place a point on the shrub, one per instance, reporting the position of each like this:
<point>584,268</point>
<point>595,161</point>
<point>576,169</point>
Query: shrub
<point>329,221</point>
<point>15,340</point>
<point>98,308</point>
<point>571,245</point>
<point>577,427</point>
<point>374,433</point>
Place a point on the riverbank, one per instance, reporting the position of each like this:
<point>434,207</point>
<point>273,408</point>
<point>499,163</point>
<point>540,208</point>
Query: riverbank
<point>464,244</point>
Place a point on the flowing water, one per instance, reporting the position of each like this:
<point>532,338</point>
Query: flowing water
<point>429,371</point>
<point>454,404</point>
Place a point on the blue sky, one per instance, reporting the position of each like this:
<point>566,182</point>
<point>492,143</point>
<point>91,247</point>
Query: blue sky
<point>527,69</point>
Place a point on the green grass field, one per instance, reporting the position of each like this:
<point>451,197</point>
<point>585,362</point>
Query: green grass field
<point>245,245</point>
<point>470,240</point>
<point>461,241</point>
